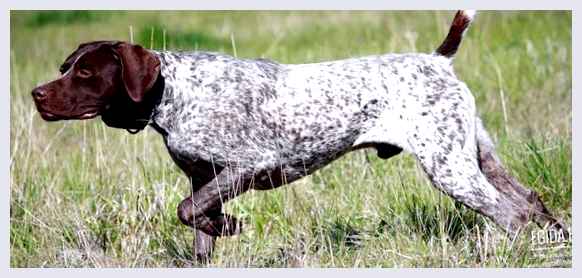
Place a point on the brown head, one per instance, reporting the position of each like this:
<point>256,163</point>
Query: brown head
<point>117,80</point>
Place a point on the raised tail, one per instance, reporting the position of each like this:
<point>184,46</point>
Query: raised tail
<point>460,23</point>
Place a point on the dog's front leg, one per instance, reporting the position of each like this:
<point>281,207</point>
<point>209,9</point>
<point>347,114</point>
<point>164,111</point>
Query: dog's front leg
<point>203,243</point>
<point>202,211</point>
<point>203,246</point>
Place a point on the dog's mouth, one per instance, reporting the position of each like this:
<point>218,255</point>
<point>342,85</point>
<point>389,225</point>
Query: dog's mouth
<point>50,117</point>
<point>88,115</point>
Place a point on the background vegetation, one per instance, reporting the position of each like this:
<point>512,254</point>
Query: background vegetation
<point>84,195</point>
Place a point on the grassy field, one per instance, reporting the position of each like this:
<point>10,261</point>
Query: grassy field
<point>84,195</point>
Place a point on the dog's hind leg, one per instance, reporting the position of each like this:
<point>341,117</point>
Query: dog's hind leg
<point>456,173</point>
<point>446,147</point>
<point>464,166</point>
<point>497,175</point>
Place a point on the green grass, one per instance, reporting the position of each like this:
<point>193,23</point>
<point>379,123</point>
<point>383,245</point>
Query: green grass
<point>84,195</point>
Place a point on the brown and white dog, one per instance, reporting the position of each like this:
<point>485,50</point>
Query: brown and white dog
<point>237,124</point>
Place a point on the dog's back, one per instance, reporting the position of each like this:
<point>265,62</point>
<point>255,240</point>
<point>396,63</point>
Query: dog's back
<point>263,114</point>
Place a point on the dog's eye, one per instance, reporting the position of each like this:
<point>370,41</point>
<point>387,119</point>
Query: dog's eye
<point>84,73</point>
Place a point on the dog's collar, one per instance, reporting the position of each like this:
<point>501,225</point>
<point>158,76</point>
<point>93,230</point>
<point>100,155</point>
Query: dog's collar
<point>131,116</point>
<point>136,130</point>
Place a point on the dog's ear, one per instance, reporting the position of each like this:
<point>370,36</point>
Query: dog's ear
<point>139,69</point>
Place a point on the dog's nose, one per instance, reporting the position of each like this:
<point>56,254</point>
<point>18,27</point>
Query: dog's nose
<point>38,94</point>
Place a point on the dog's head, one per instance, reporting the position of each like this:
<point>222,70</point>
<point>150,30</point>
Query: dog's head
<point>107,78</point>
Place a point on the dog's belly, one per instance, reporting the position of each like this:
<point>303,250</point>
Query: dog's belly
<point>298,163</point>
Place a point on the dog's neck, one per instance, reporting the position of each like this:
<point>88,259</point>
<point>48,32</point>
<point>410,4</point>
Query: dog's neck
<point>134,117</point>
<point>175,96</point>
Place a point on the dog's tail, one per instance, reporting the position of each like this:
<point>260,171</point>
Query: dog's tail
<point>460,23</point>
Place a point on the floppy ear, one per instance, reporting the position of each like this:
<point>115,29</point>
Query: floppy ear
<point>139,69</point>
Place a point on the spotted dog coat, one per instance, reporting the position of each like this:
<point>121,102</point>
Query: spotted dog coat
<point>237,124</point>
<point>294,119</point>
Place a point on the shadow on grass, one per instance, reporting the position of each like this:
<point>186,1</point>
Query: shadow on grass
<point>432,221</point>
<point>181,257</point>
<point>336,234</point>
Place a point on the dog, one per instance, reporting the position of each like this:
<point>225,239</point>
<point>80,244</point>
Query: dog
<point>232,125</point>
